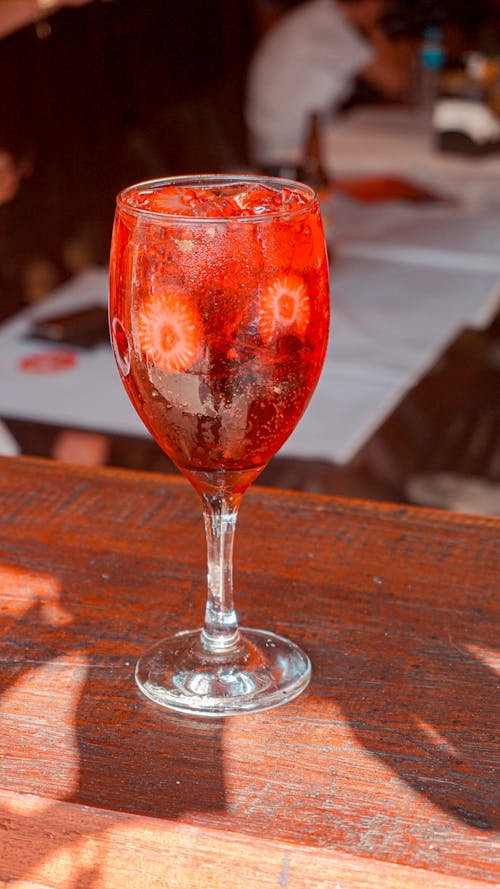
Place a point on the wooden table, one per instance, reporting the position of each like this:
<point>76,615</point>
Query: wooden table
<point>381,775</point>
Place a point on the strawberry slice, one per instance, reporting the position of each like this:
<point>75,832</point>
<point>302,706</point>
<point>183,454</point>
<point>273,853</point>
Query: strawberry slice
<point>168,329</point>
<point>283,307</point>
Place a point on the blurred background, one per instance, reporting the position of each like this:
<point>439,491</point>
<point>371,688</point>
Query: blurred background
<point>99,95</point>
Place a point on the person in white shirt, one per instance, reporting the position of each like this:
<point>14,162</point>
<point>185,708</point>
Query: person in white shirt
<point>307,63</point>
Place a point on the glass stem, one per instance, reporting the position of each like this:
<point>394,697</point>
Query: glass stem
<point>220,632</point>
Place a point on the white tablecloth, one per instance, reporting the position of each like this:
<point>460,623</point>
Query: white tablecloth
<point>406,279</point>
<point>398,141</point>
<point>390,322</point>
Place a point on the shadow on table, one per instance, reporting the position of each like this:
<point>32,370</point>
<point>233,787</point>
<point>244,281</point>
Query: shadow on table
<point>411,679</point>
<point>419,694</point>
<point>75,729</point>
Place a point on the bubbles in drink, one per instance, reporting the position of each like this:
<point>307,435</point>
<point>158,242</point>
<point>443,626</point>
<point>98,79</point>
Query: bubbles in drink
<point>227,289</point>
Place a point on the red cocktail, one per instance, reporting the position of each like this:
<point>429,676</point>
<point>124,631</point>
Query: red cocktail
<point>219,312</point>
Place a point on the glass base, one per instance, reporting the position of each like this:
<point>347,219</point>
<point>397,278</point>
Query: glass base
<point>259,672</point>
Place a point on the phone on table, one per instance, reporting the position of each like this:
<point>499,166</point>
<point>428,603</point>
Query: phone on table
<point>84,329</point>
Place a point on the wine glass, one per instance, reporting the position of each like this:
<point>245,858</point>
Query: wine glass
<point>219,318</point>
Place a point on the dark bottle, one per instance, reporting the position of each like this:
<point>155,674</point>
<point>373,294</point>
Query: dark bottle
<point>311,169</point>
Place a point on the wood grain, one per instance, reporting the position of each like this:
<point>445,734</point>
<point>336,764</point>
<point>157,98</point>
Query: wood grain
<point>384,773</point>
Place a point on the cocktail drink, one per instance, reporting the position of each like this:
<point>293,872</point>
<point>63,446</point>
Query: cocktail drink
<point>219,317</point>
